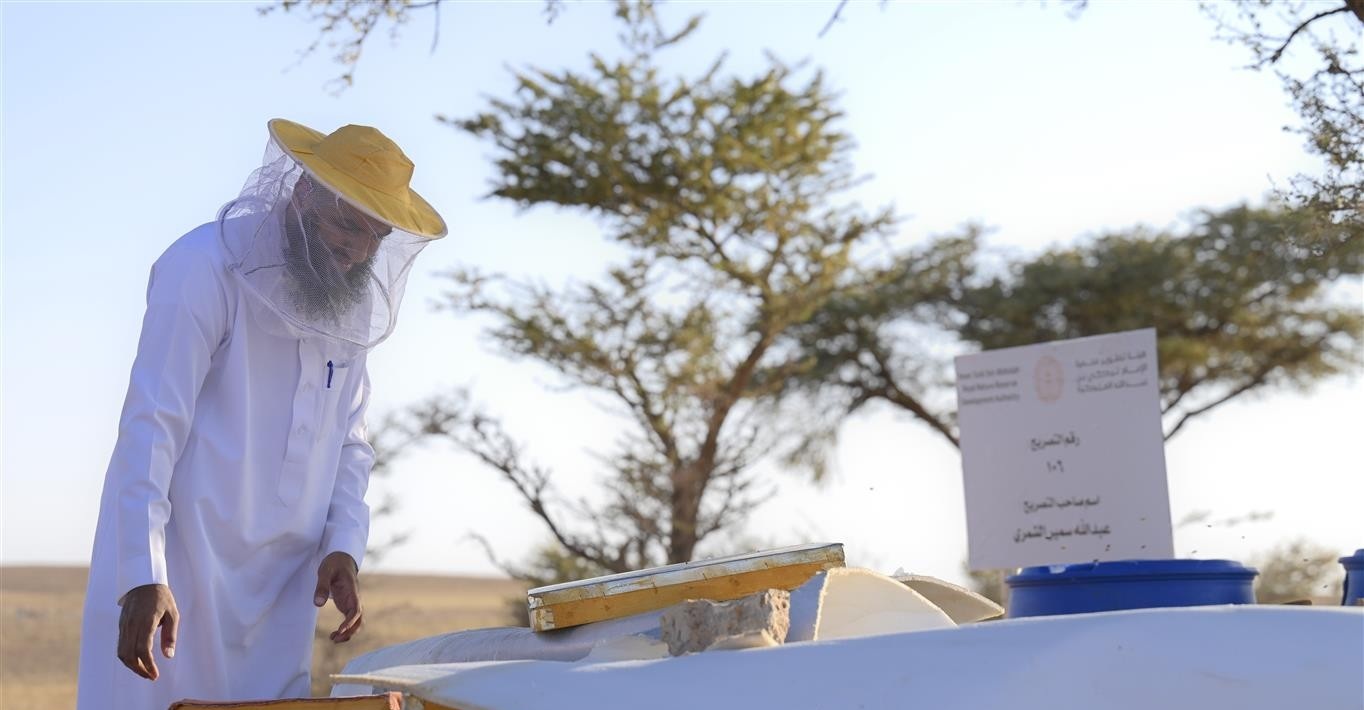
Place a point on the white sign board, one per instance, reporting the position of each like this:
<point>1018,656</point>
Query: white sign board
<point>1063,456</point>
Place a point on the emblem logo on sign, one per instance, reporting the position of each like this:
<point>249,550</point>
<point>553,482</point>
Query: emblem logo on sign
<point>1050,378</point>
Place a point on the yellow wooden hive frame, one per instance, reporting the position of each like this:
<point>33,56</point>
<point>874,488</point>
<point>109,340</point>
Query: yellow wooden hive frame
<point>561,606</point>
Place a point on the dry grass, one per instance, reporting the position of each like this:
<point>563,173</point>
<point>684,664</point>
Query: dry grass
<point>40,616</point>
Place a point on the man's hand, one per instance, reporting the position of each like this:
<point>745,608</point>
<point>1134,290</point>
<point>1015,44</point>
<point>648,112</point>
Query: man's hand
<point>144,609</point>
<point>337,579</point>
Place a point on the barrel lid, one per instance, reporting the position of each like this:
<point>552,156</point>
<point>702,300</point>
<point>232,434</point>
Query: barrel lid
<point>1355,561</point>
<point>1133,570</point>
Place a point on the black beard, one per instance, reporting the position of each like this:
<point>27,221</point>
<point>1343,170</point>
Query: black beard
<point>320,290</point>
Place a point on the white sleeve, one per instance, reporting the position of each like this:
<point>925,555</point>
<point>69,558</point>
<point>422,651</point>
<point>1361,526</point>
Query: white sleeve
<point>185,322</point>
<point>347,528</point>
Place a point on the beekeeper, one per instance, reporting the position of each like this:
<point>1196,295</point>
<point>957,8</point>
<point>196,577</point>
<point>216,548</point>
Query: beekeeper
<point>233,506</point>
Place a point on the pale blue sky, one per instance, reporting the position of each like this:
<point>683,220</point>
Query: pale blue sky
<point>125,125</point>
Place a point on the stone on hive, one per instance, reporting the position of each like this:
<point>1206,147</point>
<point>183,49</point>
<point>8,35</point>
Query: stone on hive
<point>696,625</point>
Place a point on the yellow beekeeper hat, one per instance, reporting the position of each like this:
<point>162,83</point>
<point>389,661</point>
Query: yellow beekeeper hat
<point>365,167</point>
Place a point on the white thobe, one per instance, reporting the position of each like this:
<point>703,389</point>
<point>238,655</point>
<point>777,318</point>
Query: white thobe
<point>241,462</point>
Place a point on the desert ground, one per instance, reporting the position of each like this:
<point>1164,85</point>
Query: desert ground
<point>40,616</point>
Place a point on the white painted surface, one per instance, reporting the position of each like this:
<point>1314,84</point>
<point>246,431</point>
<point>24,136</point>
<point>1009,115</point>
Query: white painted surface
<point>1238,658</point>
<point>837,603</point>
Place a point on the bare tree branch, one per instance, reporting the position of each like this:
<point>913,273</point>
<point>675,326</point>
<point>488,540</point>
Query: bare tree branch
<point>435,27</point>
<point>483,438</point>
<point>1235,392</point>
<point>1302,26</point>
<point>892,393</point>
<point>834,18</point>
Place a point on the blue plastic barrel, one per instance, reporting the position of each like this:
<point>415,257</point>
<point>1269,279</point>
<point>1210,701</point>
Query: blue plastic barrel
<point>1128,584</point>
<point>1354,578</point>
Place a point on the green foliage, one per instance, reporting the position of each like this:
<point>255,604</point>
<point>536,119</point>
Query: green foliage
<point>989,583</point>
<point>722,189</point>
<point>1296,571</point>
<point>729,173</point>
<point>878,339</point>
<point>1326,88</point>
<point>1241,301</point>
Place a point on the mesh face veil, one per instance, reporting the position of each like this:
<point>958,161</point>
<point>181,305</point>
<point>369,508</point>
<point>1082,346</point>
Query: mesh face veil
<point>315,263</point>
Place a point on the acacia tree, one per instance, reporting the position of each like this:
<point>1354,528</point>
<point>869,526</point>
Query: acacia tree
<point>752,314</point>
<point>724,192</point>
<point>1326,88</point>
<point>1239,301</point>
